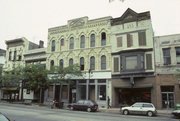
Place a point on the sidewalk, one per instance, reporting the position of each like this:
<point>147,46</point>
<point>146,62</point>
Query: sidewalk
<point>166,113</point>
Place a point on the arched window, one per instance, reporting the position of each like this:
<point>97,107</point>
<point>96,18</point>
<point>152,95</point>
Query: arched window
<point>82,42</point>
<point>92,41</point>
<point>61,63</point>
<point>103,39</point>
<point>52,65</point>
<point>103,62</point>
<point>62,42</point>
<point>70,62</point>
<point>71,44</point>
<point>53,44</point>
<point>82,63</point>
<point>92,63</point>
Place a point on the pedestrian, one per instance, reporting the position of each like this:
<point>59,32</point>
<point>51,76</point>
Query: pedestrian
<point>108,103</point>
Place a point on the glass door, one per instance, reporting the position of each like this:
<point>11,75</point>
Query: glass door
<point>167,100</point>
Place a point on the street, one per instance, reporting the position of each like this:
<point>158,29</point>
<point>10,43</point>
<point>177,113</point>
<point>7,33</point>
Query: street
<point>29,113</point>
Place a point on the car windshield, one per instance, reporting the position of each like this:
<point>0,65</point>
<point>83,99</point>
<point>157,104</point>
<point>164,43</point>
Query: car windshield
<point>3,118</point>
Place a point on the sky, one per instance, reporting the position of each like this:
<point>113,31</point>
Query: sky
<point>32,18</point>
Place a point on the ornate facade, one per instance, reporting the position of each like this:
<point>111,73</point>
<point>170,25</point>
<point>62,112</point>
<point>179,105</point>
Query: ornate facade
<point>87,43</point>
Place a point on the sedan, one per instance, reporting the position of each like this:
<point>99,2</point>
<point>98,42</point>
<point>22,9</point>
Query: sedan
<point>87,105</point>
<point>3,118</point>
<point>140,108</point>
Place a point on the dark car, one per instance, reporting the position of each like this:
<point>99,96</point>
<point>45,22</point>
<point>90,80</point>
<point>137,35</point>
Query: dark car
<point>87,105</point>
<point>3,118</point>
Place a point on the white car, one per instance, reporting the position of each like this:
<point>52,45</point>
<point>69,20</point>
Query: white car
<point>140,108</point>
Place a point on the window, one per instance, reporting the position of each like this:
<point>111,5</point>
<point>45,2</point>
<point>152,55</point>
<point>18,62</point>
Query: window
<point>92,63</point>
<point>101,92</point>
<point>116,64</point>
<point>61,63</point>
<point>92,44</point>
<point>52,65</point>
<point>166,56</point>
<point>64,92</point>
<point>82,42</point>
<point>10,56</point>
<point>149,61</point>
<point>103,39</point>
<point>70,62</point>
<point>142,38</point>
<point>129,40</point>
<point>131,62</point>
<point>82,63</point>
<point>19,57</point>
<point>178,55</point>
<point>14,56</point>
<point>137,105</point>
<point>62,42</point>
<point>71,44</point>
<point>119,41</point>
<point>147,105</point>
<point>103,62</point>
<point>53,46</point>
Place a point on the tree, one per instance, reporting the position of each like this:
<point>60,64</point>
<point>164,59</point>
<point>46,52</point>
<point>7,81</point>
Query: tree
<point>35,78</point>
<point>66,74</point>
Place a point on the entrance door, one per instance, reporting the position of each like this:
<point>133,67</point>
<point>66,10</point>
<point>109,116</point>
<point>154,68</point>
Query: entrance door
<point>168,100</point>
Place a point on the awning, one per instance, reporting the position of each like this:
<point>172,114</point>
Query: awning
<point>10,88</point>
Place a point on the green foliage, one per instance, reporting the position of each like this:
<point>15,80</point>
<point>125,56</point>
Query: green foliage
<point>66,74</point>
<point>10,78</point>
<point>35,77</point>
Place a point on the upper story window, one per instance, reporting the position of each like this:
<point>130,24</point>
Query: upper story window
<point>62,42</point>
<point>10,55</point>
<point>92,63</point>
<point>178,55</point>
<point>103,39</point>
<point>119,41</point>
<point>166,56</point>
<point>149,61</point>
<point>70,62</point>
<point>142,38</point>
<point>129,40</point>
<point>82,42</point>
<point>103,62</point>
<point>71,44</point>
<point>61,63</point>
<point>131,62</point>
<point>52,65</point>
<point>116,64</point>
<point>92,41</point>
<point>53,44</point>
<point>82,63</point>
<point>15,55</point>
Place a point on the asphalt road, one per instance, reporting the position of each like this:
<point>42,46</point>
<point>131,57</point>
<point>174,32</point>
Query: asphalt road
<point>28,113</point>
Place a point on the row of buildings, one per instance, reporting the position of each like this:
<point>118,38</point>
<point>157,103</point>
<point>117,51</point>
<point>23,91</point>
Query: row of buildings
<point>120,57</point>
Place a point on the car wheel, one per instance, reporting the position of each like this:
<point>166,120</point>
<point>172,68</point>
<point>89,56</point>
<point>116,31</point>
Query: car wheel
<point>150,113</point>
<point>88,109</point>
<point>72,108</point>
<point>125,112</point>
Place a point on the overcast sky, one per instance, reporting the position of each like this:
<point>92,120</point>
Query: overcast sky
<point>32,18</point>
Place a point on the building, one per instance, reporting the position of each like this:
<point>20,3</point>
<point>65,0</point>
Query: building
<point>2,62</point>
<point>20,52</point>
<point>167,60</point>
<point>132,59</point>
<point>87,43</point>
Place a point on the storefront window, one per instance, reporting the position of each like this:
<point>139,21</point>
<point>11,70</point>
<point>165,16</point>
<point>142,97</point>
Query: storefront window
<point>101,92</point>
<point>64,92</point>
<point>50,92</point>
<point>82,91</point>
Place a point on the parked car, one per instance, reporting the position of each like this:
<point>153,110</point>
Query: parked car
<point>176,112</point>
<point>3,117</point>
<point>87,105</point>
<point>140,108</point>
